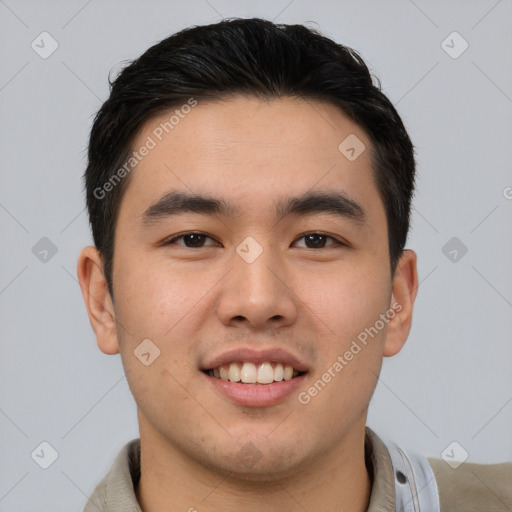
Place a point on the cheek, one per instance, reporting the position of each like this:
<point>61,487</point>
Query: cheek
<point>159,304</point>
<point>349,301</point>
<point>357,302</point>
<point>337,399</point>
<point>349,311</point>
<point>151,298</point>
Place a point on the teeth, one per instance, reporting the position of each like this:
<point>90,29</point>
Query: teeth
<point>224,373</point>
<point>278,372</point>
<point>288,373</point>
<point>265,373</point>
<point>249,373</point>
<point>234,373</point>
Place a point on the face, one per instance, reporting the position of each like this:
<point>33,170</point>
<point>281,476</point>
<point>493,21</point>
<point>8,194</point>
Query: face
<point>281,260</point>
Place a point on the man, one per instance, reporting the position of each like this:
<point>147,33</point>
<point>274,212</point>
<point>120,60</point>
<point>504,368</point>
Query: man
<point>249,192</point>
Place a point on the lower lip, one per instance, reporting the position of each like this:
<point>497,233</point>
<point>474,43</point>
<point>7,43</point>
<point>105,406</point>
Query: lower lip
<point>256,395</point>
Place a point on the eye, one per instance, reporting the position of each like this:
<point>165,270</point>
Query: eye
<point>190,240</point>
<point>198,240</point>
<point>318,240</point>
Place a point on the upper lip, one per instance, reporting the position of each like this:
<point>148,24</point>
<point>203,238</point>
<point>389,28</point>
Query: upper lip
<point>273,355</point>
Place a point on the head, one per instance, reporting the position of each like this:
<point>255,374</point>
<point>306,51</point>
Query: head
<point>273,145</point>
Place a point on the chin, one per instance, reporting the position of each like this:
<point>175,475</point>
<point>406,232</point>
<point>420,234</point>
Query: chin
<point>259,460</point>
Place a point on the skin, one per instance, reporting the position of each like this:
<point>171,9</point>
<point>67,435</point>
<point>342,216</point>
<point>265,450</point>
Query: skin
<point>199,301</point>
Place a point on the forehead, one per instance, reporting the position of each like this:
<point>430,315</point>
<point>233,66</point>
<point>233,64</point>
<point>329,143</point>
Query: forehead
<point>252,150</point>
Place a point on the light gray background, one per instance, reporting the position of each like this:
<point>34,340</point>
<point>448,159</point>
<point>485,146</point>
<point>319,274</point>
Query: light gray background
<point>452,381</point>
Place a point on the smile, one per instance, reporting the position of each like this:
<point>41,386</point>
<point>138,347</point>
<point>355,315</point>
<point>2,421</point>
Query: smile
<point>250,373</point>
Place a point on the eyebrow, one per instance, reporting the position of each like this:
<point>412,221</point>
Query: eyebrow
<point>177,203</point>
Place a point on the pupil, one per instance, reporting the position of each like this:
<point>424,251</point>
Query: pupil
<point>311,239</point>
<point>194,238</point>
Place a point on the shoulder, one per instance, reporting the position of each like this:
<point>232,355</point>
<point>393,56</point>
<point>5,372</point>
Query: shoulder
<point>116,491</point>
<point>473,487</point>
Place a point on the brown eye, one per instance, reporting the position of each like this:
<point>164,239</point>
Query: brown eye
<point>190,240</point>
<point>318,241</point>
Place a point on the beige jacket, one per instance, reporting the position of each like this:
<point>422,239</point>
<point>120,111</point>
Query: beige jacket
<point>469,488</point>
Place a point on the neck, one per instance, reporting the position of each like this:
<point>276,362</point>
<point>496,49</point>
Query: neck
<point>333,482</point>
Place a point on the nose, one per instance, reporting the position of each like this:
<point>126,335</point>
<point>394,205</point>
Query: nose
<point>259,293</point>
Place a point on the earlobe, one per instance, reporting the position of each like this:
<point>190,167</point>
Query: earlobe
<point>97,299</point>
<point>405,287</point>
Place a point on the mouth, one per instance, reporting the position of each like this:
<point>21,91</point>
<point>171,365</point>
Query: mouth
<point>248,372</point>
<point>255,378</point>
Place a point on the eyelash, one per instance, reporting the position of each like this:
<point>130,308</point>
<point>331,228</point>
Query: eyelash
<point>172,240</point>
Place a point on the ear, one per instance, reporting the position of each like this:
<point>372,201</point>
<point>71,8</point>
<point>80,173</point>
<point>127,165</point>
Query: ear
<point>98,302</point>
<point>405,287</point>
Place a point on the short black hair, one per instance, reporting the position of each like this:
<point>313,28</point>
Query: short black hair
<point>253,57</point>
